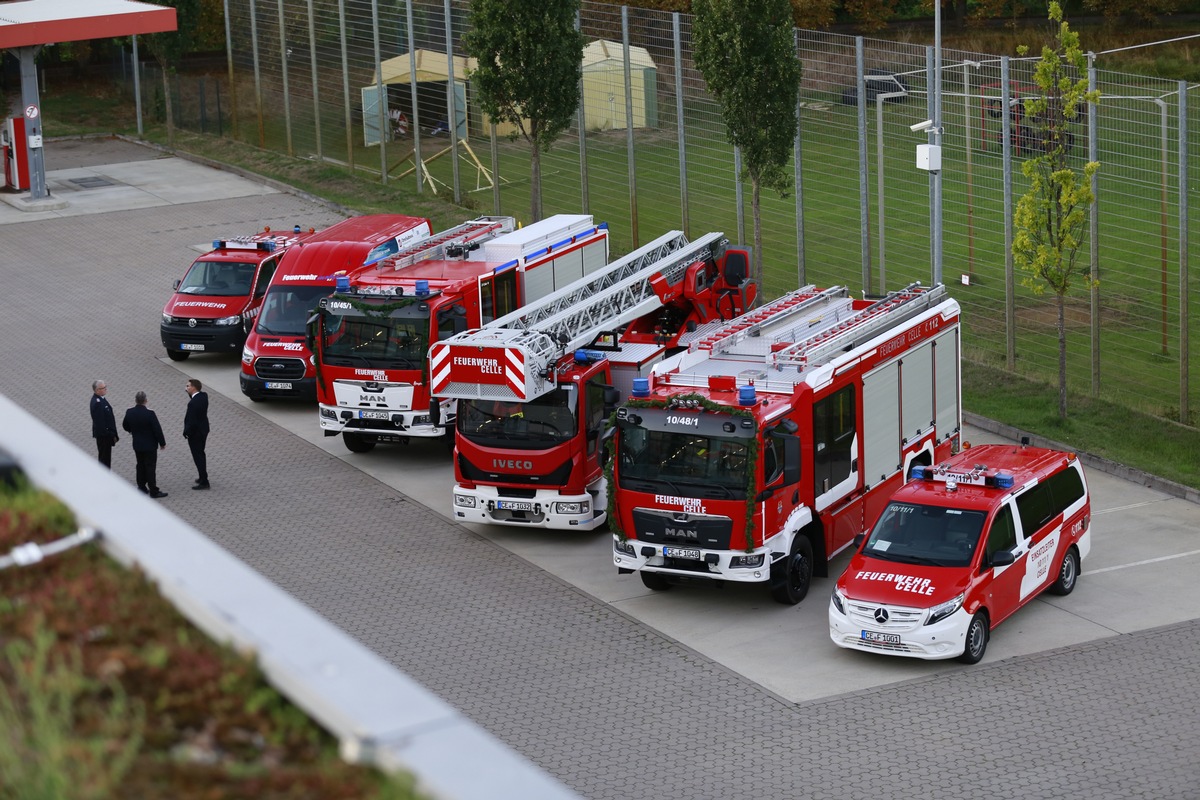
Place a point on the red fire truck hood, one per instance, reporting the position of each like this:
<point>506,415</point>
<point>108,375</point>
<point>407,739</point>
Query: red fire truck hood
<point>199,306</point>
<point>876,581</point>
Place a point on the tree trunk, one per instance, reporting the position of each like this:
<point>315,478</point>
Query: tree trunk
<point>167,105</point>
<point>1062,357</point>
<point>535,185</point>
<point>755,209</point>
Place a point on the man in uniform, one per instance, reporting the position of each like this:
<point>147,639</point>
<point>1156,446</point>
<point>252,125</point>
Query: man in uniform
<point>104,424</point>
<point>142,424</point>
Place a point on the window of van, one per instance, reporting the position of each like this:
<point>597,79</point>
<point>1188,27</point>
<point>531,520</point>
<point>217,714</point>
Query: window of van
<point>265,273</point>
<point>1066,486</point>
<point>1036,508</point>
<point>1003,534</point>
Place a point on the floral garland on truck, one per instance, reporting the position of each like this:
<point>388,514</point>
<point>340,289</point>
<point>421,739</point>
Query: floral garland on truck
<point>693,400</point>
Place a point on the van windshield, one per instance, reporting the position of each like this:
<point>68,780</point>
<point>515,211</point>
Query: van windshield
<point>908,533</point>
<point>218,279</point>
<point>286,309</point>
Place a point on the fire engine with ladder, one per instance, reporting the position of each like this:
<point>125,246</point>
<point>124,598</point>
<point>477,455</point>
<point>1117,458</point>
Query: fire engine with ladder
<point>536,388</point>
<point>371,337</point>
<point>759,454</point>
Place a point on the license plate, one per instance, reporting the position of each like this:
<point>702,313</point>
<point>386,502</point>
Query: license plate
<point>373,415</point>
<point>881,638</point>
<point>514,505</point>
<point>680,552</point>
<point>186,346</point>
<point>278,385</point>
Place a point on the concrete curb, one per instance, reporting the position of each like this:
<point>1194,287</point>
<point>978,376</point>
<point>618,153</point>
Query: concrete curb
<point>1091,461</point>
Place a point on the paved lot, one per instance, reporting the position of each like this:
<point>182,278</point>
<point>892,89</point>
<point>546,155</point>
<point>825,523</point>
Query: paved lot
<point>618,692</point>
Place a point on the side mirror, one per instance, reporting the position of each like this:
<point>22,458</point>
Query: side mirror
<point>310,338</point>
<point>175,285</point>
<point>1002,558</point>
<point>612,396</point>
<point>858,540</point>
<point>435,411</point>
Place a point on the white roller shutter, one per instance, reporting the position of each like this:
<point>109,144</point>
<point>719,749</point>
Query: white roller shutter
<point>881,424</point>
<point>595,256</point>
<point>947,381</point>
<point>539,281</point>
<point>916,381</point>
<point>568,268</point>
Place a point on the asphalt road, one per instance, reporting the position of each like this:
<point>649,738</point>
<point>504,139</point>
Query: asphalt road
<point>619,692</point>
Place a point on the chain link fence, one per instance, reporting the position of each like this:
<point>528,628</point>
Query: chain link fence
<point>648,153</point>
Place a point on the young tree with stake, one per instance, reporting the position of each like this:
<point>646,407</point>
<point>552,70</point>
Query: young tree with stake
<point>1050,218</point>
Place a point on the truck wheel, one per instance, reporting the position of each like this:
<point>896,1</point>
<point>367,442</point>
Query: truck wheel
<point>358,443</point>
<point>791,576</point>
<point>178,355</point>
<point>977,639</point>
<point>655,581</point>
<point>1068,573</point>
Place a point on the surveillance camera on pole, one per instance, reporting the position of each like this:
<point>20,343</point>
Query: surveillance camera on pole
<point>922,126</point>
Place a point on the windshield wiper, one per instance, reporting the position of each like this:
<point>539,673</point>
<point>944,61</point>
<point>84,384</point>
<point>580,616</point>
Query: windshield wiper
<point>907,559</point>
<point>333,359</point>
<point>706,485</point>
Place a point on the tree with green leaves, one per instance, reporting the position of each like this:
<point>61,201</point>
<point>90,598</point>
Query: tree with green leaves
<point>1051,217</point>
<point>169,47</point>
<point>746,52</point>
<point>530,64</point>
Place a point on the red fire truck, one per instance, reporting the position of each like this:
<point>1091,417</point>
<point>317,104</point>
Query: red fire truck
<point>373,337</point>
<point>217,299</point>
<point>761,452</point>
<point>536,388</point>
<point>276,362</point>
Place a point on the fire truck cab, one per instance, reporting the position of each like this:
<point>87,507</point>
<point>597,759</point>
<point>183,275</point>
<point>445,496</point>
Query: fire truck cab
<point>217,300</point>
<point>276,361</point>
<point>960,548</point>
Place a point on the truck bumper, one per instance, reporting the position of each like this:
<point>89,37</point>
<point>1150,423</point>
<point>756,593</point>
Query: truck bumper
<point>258,389</point>
<point>943,639</point>
<point>398,425</point>
<point>546,509</point>
<point>203,339</point>
<point>633,555</point>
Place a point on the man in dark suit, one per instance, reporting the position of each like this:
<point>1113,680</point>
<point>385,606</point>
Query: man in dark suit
<point>195,429</point>
<point>142,424</point>
<point>104,424</point>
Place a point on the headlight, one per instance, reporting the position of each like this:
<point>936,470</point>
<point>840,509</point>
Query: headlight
<point>464,501</point>
<point>747,561</point>
<point>328,413</point>
<point>839,601</point>
<point>945,609</point>
<point>313,359</point>
<point>228,320</point>
<point>421,419</point>
<point>572,508</point>
<point>167,318</point>
<point>247,356</point>
<point>625,547</point>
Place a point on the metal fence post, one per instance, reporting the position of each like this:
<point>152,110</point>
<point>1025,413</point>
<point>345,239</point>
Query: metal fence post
<point>864,191</point>
<point>233,117</point>
<point>452,103</point>
<point>1184,410</point>
<point>581,117</point>
<point>316,89</point>
<point>930,105</point>
<point>137,85</point>
<point>346,86</point>
<point>738,199</point>
<point>797,161</point>
<point>418,164</point>
<point>1094,231</point>
<point>381,94</point>
<point>633,209</point>
<point>680,126</point>
<point>258,98</point>
<point>287,97</point>
<point>1010,312</point>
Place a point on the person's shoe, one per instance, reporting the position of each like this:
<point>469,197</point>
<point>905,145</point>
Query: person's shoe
<point>198,481</point>
<point>201,485</point>
<point>157,494</point>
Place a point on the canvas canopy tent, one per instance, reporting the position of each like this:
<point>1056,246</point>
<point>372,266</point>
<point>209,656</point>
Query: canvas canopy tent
<point>604,86</point>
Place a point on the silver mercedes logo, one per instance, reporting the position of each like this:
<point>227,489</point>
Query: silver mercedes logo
<point>191,323</point>
<point>881,615</point>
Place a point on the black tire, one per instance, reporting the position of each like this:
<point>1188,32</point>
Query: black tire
<point>977,639</point>
<point>1068,573</point>
<point>178,355</point>
<point>791,577</point>
<point>655,581</point>
<point>358,443</point>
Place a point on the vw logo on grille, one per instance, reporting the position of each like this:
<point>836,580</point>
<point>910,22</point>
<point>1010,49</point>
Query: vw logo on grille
<point>191,323</point>
<point>881,615</point>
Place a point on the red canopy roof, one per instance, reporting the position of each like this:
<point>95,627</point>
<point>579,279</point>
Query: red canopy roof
<point>25,23</point>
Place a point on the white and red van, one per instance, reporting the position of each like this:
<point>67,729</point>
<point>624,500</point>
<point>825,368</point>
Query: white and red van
<point>960,548</point>
<point>216,301</point>
<point>276,361</point>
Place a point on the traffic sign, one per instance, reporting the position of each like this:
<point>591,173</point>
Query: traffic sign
<point>31,111</point>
